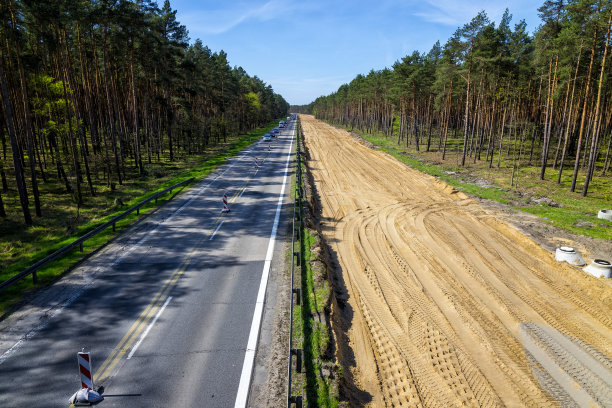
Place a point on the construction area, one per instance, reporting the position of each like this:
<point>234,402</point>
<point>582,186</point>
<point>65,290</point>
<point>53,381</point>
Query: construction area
<point>438,302</point>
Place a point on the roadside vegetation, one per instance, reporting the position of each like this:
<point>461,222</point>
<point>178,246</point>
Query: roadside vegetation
<point>97,94</point>
<point>22,247</point>
<point>101,104</point>
<point>321,380</point>
<point>529,114</point>
<point>312,329</point>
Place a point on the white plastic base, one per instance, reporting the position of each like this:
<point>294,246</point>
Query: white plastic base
<point>569,255</point>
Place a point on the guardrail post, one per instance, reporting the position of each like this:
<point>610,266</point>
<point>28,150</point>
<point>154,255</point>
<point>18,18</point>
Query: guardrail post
<point>297,297</point>
<point>297,255</point>
<point>298,359</point>
<point>81,246</point>
<point>34,278</point>
<point>113,227</point>
<point>297,400</point>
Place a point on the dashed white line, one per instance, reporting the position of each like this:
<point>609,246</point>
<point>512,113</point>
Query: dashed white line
<point>30,334</point>
<point>144,334</point>
<point>177,212</point>
<point>218,227</point>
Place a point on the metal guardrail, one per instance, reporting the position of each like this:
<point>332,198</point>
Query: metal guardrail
<point>297,215</point>
<point>79,241</point>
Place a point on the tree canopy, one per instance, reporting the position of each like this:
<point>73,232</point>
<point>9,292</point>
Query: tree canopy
<point>493,91</point>
<point>90,88</point>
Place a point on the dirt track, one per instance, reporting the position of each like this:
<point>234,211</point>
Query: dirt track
<point>448,306</point>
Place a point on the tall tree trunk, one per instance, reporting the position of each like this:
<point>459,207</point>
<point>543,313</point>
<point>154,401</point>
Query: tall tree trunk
<point>548,117</point>
<point>111,105</point>
<point>467,109</point>
<point>569,119</point>
<point>135,106</point>
<point>584,109</point>
<point>596,118</point>
<point>29,135</point>
<point>448,118</point>
<point>21,185</point>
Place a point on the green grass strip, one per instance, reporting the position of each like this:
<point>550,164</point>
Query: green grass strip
<point>48,274</point>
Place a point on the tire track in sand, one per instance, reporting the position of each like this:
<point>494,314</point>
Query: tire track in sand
<point>442,289</point>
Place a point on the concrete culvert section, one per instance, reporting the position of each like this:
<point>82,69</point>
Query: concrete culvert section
<point>599,268</point>
<point>431,289</point>
<point>569,255</point>
<point>605,214</point>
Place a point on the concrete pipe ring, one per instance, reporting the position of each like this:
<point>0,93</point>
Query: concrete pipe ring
<point>599,268</point>
<point>569,255</point>
<point>605,214</point>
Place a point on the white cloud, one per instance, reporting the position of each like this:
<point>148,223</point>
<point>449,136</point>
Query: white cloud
<point>458,13</point>
<point>220,21</point>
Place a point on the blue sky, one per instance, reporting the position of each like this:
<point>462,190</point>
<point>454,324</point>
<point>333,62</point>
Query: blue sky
<point>308,48</point>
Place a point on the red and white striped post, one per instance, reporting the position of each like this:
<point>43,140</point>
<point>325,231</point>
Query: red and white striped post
<point>225,207</point>
<point>257,163</point>
<point>85,370</point>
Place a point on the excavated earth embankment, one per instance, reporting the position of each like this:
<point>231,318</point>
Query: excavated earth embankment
<point>442,304</point>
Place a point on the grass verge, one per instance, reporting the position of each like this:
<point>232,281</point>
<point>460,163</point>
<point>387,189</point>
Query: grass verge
<point>22,247</point>
<point>321,372</point>
<point>311,318</point>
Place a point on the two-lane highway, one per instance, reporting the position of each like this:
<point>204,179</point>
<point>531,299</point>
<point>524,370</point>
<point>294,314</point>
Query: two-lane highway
<point>171,313</point>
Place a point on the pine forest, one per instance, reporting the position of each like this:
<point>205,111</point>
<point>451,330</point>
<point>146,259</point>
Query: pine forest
<point>97,92</point>
<point>494,93</point>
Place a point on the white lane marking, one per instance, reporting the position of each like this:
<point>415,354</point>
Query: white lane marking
<point>213,234</point>
<point>144,334</point>
<point>242,192</point>
<point>30,334</point>
<point>249,357</point>
<point>177,212</point>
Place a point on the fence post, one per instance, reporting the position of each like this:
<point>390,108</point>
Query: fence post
<point>297,256</point>
<point>297,400</point>
<point>298,359</point>
<point>297,297</point>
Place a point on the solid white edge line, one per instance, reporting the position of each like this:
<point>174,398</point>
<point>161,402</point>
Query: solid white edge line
<point>249,357</point>
<point>30,334</point>
<point>144,334</point>
<point>218,226</point>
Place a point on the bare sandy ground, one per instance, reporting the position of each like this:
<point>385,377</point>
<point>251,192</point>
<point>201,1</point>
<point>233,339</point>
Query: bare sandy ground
<point>444,304</point>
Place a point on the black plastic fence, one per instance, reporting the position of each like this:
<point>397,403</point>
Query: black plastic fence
<point>297,216</point>
<point>79,241</point>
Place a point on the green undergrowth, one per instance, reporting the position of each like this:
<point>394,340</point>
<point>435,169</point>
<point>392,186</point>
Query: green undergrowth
<point>312,332</point>
<point>61,224</point>
<point>564,209</point>
<point>321,372</point>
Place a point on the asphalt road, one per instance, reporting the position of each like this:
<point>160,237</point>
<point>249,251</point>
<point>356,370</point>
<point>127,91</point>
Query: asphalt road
<point>168,312</point>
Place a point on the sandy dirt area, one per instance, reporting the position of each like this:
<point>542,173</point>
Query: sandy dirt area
<point>443,304</point>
